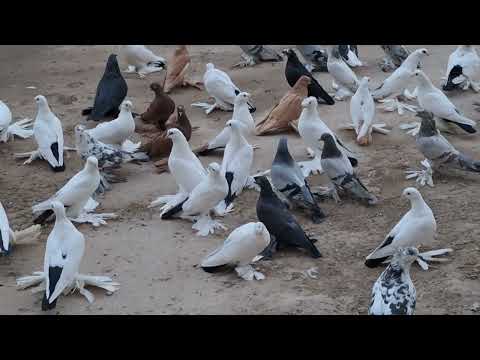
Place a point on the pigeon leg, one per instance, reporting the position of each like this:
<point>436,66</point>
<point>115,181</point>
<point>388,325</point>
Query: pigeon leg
<point>424,176</point>
<point>380,128</point>
<point>94,219</point>
<point>32,155</point>
<point>247,272</point>
<point>206,225</point>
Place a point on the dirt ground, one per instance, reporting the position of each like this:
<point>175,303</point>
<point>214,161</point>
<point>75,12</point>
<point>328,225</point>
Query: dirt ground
<point>156,261</point>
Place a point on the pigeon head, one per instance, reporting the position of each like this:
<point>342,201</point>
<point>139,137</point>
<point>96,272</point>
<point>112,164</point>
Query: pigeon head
<point>420,76</point>
<point>365,81</point>
<point>405,256</point>
<point>263,182</point>
<point>334,51</point>
<point>213,168</point>
<point>58,208</point>
<point>126,106</point>
<point>327,138</point>
<point>310,102</point>
<point>422,52</point>
<point>290,54</point>
<point>180,110</point>
<point>112,65</point>
<point>428,126</point>
<point>234,125</point>
<point>242,98</point>
<point>411,193</point>
<point>156,88</point>
<point>91,163</point>
<point>41,101</point>
<point>210,66</point>
<point>81,138</point>
<point>173,134</point>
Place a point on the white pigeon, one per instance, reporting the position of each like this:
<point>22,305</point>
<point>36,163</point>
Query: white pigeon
<point>8,237</point>
<point>311,128</point>
<point>63,255</point>
<point>115,132</point>
<point>7,130</point>
<point>394,293</point>
<point>343,75</point>
<point>48,133</point>
<point>236,164</point>
<point>362,112</point>
<point>219,86</point>
<point>433,100</point>
<point>142,60</point>
<point>239,250</point>
<point>241,114</point>
<point>352,57</point>
<point>74,194</point>
<point>463,69</point>
<point>203,198</point>
<point>417,227</point>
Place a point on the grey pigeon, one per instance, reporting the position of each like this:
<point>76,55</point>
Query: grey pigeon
<point>394,293</point>
<point>438,150</point>
<point>288,178</point>
<point>260,53</point>
<point>315,56</point>
<point>395,56</point>
<point>111,91</point>
<point>281,224</point>
<point>340,172</point>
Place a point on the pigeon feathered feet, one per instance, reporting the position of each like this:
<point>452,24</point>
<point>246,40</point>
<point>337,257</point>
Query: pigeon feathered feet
<point>424,176</point>
<point>395,104</point>
<point>248,273</point>
<point>206,225</point>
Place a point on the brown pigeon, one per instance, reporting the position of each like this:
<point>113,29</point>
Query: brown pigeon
<point>160,109</point>
<point>283,116</point>
<point>176,70</point>
<point>159,146</point>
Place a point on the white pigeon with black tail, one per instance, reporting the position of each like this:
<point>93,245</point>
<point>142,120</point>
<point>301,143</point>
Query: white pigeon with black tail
<point>311,128</point>
<point>117,131</point>
<point>201,200</point>
<point>394,293</point>
<point>349,54</point>
<point>417,227</point>
<point>395,86</point>
<point>463,69</point>
<point>345,81</point>
<point>48,133</point>
<point>142,60</point>
<point>8,237</point>
<point>239,250</point>
<point>8,130</point>
<point>219,86</point>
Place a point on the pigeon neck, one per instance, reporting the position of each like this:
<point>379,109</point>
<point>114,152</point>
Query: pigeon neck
<point>418,205</point>
<point>180,146</point>
<point>311,111</point>
<point>236,137</point>
<point>44,109</point>
<point>124,113</point>
<point>282,155</point>
<point>426,130</point>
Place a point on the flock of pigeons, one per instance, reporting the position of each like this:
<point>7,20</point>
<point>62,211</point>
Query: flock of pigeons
<point>206,194</point>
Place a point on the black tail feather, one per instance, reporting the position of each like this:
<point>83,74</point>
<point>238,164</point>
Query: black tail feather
<point>353,161</point>
<point>176,209</point>
<point>230,197</point>
<point>87,111</point>
<point>468,128</point>
<point>216,269</point>
<point>312,249</point>
<point>43,217</point>
<point>372,263</point>
<point>58,168</point>
<point>454,73</point>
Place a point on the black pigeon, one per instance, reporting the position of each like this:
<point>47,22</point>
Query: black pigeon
<point>295,69</point>
<point>288,178</point>
<point>280,223</point>
<point>111,91</point>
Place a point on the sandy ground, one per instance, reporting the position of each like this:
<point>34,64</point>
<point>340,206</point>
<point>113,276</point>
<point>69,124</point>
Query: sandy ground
<point>156,261</point>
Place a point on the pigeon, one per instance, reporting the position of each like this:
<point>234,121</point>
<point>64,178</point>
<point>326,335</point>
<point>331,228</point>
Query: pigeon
<point>463,69</point>
<point>340,172</point>
<point>362,112</point>
<point>394,293</point>
<point>255,54</point>
<point>395,56</point>
<point>48,133</point>
<point>201,200</point>
<point>311,128</point>
<point>63,255</point>
<point>160,146</point>
<point>115,132</point>
<point>142,60</point>
<point>281,224</point>
<point>315,56</point>
<point>295,69</point>
<point>349,54</point>
<point>288,178</point>
<point>238,251</point>
<point>108,156</point>
<point>435,101</point>
<point>284,114</point>
<point>438,151</point>
<point>74,195</point>
<point>241,114</point>
<point>185,167</point>
<point>111,91</point>
<point>398,81</point>
<point>342,74</point>
<point>177,68</point>
<point>236,164</point>
<point>219,86</point>
<point>160,109</point>
<point>21,128</point>
<point>416,227</point>
<point>8,237</point>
